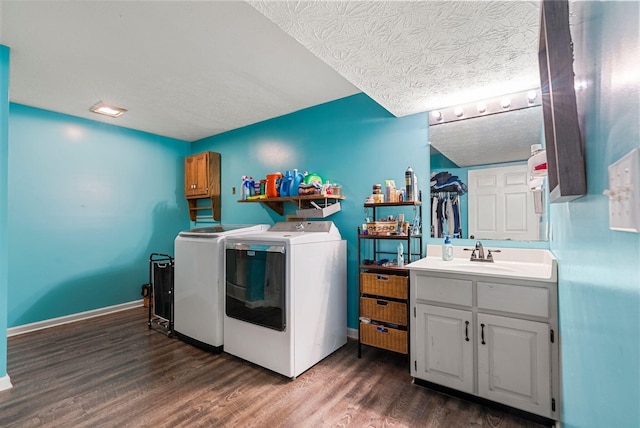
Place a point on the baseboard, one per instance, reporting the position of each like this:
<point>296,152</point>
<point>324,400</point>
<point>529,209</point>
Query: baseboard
<point>5,383</point>
<point>40,325</point>
<point>352,333</point>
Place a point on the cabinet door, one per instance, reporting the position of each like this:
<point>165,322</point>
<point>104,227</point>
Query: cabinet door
<point>444,346</point>
<point>201,175</point>
<point>514,363</point>
<point>196,175</point>
<point>190,175</point>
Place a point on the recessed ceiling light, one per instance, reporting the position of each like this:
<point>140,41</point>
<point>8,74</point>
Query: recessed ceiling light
<point>107,110</point>
<point>458,112</point>
<point>436,115</point>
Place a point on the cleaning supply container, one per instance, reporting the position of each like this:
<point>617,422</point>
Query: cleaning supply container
<point>298,178</point>
<point>447,249</point>
<point>286,183</point>
<point>272,184</point>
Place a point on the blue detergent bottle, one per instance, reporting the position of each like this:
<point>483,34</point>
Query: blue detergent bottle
<point>285,187</point>
<point>298,177</point>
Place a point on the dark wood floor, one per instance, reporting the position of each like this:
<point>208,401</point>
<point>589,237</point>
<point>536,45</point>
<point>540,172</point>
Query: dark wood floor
<point>112,371</point>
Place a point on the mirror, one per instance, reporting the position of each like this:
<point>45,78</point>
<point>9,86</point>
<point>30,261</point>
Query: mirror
<point>484,150</point>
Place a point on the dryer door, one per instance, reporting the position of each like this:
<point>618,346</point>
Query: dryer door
<point>255,284</point>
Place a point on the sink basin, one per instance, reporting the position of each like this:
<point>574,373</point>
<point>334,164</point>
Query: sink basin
<point>516,263</point>
<point>480,266</point>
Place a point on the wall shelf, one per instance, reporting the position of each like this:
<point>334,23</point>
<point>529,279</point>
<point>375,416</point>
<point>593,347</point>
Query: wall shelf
<point>302,201</point>
<point>392,204</point>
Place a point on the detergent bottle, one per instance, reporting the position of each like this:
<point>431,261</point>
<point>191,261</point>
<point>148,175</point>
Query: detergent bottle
<point>298,178</point>
<point>245,187</point>
<point>447,249</point>
<point>273,184</point>
<point>286,184</point>
<point>252,187</point>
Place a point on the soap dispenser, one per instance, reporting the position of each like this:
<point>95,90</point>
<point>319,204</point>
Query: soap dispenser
<point>447,249</point>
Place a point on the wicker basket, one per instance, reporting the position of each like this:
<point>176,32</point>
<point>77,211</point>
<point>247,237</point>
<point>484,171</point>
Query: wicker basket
<point>382,227</point>
<point>384,337</point>
<point>383,310</point>
<point>384,285</point>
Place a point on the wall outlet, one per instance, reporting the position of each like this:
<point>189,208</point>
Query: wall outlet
<point>624,193</point>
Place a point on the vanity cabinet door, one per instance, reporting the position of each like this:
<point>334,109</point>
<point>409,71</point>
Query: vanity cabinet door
<point>444,346</point>
<point>514,363</point>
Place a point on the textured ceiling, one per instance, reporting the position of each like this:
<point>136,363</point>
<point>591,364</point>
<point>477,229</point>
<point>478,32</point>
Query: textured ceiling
<point>414,56</point>
<point>497,138</point>
<point>186,70</point>
<point>192,69</point>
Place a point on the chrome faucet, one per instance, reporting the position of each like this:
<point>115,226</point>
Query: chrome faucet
<point>480,250</point>
<point>477,253</point>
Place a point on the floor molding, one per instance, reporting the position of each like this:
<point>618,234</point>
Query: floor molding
<point>5,383</point>
<point>40,325</point>
<point>352,333</point>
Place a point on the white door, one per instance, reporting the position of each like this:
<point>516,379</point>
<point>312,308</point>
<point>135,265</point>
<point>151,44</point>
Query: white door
<point>444,347</point>
<point>501,205</point>
<point>514,363</point>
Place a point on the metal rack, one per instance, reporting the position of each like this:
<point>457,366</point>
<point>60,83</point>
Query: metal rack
<point>384,289</point>
<point>161,269</point>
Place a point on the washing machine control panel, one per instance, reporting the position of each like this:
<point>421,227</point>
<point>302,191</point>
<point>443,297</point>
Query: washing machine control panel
<point>305,226</point>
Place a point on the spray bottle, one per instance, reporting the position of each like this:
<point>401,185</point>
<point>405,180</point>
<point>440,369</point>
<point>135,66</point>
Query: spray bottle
<point>400,255</point>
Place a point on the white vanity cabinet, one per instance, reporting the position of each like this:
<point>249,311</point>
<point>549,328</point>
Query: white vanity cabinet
<point>490,337</point>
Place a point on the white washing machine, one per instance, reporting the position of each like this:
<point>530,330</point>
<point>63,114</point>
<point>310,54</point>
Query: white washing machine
<point>199,283</point>
<point>286,296</point>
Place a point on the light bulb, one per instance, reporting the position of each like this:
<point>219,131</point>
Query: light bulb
<point>458,112</point>
<point>506,102</point>
<point>482,108</point>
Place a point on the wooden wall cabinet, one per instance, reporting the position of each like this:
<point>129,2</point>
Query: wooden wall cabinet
<point>202,181</point>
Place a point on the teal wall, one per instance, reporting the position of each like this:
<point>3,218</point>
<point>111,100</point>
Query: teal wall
<point>353,141</point>
<point>89,202</point>
<point>4,162</point>
<point>440,162</point>
<point>599,269</point>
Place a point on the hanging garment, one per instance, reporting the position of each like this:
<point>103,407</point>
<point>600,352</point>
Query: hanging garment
<point>434,217</point>
<point>449,217</point>
<point>441,217</point>
<point>457,233</point>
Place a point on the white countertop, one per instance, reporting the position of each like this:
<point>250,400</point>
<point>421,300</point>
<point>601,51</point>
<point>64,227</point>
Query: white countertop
<point>516,263</point>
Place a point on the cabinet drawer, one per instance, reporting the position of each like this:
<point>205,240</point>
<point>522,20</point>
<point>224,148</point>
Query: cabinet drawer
<point>444,290</point>
<point>520,299</point>
<point>384,337</point>
<point>383,310</point>
<point>384,285</point>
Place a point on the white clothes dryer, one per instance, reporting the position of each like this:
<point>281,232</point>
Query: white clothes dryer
<point>286,296</point>
<point>199,283</point>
